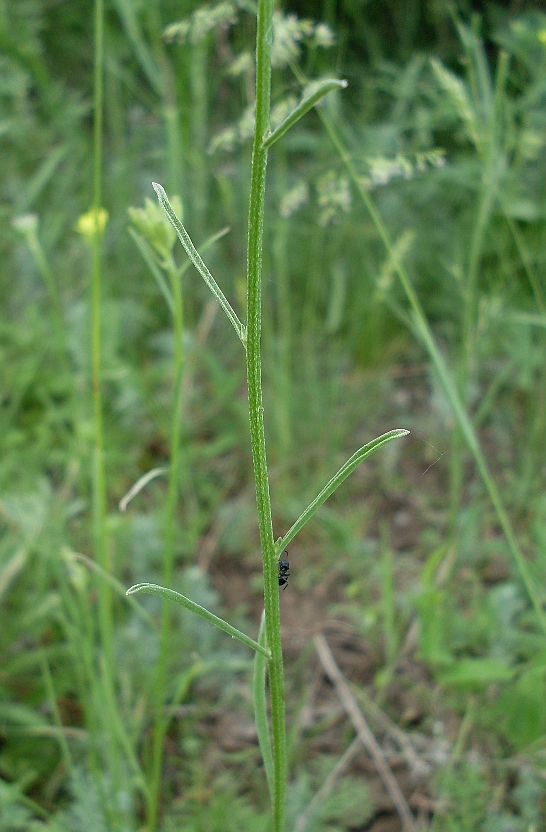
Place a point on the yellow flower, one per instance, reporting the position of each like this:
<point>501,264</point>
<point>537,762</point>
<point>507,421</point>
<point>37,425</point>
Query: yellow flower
<point>92,222</point>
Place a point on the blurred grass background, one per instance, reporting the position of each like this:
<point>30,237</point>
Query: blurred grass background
<point>444,122</point>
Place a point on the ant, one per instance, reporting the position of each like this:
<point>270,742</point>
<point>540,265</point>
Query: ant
<point>284,571</point>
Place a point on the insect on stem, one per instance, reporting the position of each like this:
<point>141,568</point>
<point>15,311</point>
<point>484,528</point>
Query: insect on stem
<point>284,571</point>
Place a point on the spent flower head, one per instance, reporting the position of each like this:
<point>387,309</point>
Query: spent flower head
<point>323,36</point>
<point>203,20</point>
<point>293,199</point>
<point>382,169</point>
<point>288,34</point>
<point>334,197</point>
<point>26,224</point>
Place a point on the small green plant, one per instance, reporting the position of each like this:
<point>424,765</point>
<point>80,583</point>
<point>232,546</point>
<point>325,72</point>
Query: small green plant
<point>268,658</point>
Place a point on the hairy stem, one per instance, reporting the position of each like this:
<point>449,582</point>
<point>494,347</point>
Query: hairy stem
<point>256,417</point>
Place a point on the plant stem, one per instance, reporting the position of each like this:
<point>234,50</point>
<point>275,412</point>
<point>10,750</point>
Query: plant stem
<point>99,480</point>
<point>257,433</point>
<point>161,722</point>
<point>100,534</point>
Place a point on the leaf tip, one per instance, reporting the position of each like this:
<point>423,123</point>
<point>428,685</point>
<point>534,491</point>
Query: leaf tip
<point>159,190</point>
<point>134,589</point>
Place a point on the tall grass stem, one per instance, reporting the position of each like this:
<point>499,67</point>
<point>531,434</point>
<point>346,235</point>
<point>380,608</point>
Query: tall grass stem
<point>102,678</point>
<point>99,477</point>
<point>161,722</point>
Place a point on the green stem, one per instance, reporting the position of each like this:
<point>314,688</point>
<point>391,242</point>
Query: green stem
<point>199,109</point>
<point>100,533</point>
<point>161,722</point>
<point>99,479</point>
<point>257,433</point>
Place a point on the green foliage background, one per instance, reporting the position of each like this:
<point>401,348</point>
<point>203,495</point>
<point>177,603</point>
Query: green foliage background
<point>444,121</point>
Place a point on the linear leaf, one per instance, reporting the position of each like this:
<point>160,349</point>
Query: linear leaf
<point>260,708</point>
<point>171,595</point>
<point>319,90</point>
<point>331,486</point>
<point>197,261</point>
<point>147,254</point>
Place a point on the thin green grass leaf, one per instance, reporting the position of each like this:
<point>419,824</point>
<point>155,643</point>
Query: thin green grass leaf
<point>424,333</point>
<point>117,725</point>
<point>197,261</point>
<point>171,595</point>
<point>209,242</point>
<point>525,319</point>
<point>11,569</point>
<point>141,483</point>
<point>476,672</point>
<point>116,585</point>
<point>526,258</point>
<point>479,77</point>
<point>130,18</point>
<point>59,733</point>
<point>319,90</point>
<point>260,708</point>
<point>148,257</point>
<point>37,183</point>
<point>331,486</point>
<point>467,429</point>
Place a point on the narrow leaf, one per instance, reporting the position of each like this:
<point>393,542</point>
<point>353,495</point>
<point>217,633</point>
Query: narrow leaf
<point>141,483</point>
<point>336,481</point>
<point>146,251</point>
<point>476,673</point>
<point>171,595</point>
<point>260,708</point>
<point>118,587</point>
<point>197,261</point>
<point>319,90</point>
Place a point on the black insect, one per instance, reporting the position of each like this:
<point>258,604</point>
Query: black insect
<point>284,572</point>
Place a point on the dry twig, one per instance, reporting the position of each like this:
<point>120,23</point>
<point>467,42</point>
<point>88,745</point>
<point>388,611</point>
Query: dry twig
<point>364,733</point>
